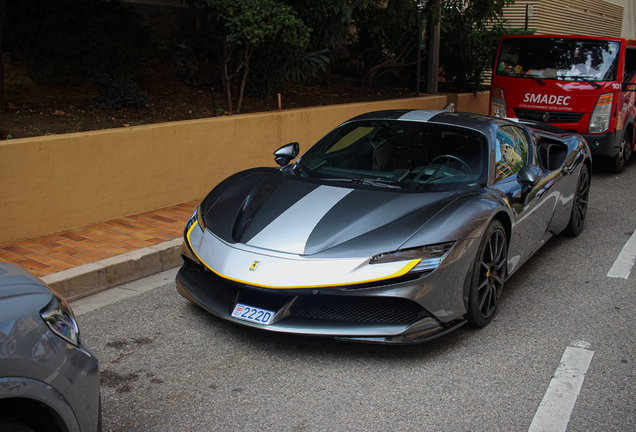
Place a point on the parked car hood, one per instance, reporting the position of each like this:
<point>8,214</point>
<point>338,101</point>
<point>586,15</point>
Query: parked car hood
<point>21,293</point>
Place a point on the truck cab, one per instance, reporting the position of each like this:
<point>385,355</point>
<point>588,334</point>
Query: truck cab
<point>582,84</point>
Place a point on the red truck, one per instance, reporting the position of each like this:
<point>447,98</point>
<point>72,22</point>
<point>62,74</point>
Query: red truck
<point>582,84</point>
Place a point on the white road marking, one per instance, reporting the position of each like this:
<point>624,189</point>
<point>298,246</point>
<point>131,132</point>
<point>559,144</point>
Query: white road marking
<point>623,265</point>
<point>581,344</point>
<point>556,407</point>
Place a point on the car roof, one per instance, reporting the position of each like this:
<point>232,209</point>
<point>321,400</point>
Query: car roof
<point>479,122</point>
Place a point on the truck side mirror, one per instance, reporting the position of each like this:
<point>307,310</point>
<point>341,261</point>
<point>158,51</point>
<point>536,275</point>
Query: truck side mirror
<point>627,86</point>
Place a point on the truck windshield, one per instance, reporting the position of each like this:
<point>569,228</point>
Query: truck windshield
<point>567,59</point>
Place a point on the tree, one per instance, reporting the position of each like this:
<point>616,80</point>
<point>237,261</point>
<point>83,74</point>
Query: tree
<point>470,36</point>
<point>273,64</point>
<point>384,37</point>
<point>330,21</point>
<point>3,11</point>
<point>66,40</point>
<point>244,26</point>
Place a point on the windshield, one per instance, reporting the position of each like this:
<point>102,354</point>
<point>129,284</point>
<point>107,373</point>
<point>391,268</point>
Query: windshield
<point>561,59</point>
<point>399,154</point>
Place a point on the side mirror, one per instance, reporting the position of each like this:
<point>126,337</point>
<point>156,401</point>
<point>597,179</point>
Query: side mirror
<point>286,153</point>
<point>527,177</point>
<point>627,86</point>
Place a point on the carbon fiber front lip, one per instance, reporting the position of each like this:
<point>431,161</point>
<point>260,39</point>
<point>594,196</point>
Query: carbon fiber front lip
<point>410,338</point>
<point>422,330</point>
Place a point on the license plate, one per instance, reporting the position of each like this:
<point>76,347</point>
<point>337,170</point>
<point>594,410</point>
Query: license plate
<point>253,314</point>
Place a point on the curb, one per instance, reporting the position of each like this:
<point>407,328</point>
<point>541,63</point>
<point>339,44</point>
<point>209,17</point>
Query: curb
<point>88,279</point>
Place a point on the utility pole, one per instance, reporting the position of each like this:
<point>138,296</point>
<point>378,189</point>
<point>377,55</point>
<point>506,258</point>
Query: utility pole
<point>433,53</point>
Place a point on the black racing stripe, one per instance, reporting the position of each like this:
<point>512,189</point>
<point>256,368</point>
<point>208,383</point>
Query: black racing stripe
<point>383,212</point>
<point>223,203</point>
<point>268,201</point>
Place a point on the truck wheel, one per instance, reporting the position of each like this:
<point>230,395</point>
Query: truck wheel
<point>617,163</point>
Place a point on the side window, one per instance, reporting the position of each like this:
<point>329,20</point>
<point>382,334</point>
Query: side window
<point>511,151</point>
<point>630,64</point>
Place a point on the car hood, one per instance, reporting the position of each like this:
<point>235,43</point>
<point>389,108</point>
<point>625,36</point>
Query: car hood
<point>283,213</point>
<point>14,279</point>
<point>21,293</point>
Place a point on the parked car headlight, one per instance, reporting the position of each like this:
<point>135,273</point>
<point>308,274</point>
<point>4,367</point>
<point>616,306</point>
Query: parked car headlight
<point>59,316</point>
<point>430,256</point>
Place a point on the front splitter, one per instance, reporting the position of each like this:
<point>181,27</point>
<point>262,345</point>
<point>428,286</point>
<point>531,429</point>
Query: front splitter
<point>423,330</point>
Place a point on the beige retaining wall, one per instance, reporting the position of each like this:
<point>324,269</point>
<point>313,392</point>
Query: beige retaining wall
<point>469,102</point>
<point>53,183</point>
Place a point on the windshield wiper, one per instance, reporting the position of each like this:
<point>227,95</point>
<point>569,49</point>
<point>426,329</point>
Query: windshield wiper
<point>539,80</point>
<point>586,79</point>
<point>362,181</point>
<point>523,75</point>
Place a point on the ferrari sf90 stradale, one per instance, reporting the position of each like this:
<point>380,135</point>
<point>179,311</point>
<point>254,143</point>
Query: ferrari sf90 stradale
<point>396,227</point>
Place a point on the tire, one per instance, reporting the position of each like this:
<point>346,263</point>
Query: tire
<point>616,164</point>
<point>488,276</point>
<point>579,207</point>
<point>8,424</point>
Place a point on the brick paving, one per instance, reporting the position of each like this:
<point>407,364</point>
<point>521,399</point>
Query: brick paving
<point>67,249</point>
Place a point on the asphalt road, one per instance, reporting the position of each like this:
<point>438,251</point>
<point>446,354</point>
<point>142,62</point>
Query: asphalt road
<point>169,366</point>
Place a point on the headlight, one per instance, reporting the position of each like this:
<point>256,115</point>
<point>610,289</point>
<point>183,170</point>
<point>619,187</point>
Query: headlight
<point>498,103</point>
<point>191,220</point>
<point>200,218</point>
<point>61,320</point>
<point>600,119</point>
<point>430,256</point>
<point>196,216</point>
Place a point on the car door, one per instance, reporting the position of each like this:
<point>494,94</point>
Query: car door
<point>531,211</point>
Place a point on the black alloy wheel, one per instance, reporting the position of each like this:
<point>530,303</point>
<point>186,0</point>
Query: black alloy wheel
<point>579,207</point>
<point>488,276</point>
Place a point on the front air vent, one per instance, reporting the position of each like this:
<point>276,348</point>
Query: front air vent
<point>382,310</point>
<point>355,308</point>
<point>552,116</point>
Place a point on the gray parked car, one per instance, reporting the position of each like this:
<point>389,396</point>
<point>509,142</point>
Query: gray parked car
<point>48,380</point>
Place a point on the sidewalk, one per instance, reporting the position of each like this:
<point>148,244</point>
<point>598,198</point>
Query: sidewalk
<point>89,259</point>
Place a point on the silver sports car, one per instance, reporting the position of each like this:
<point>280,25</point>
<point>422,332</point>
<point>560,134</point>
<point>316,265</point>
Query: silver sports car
<point>396,227</point>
